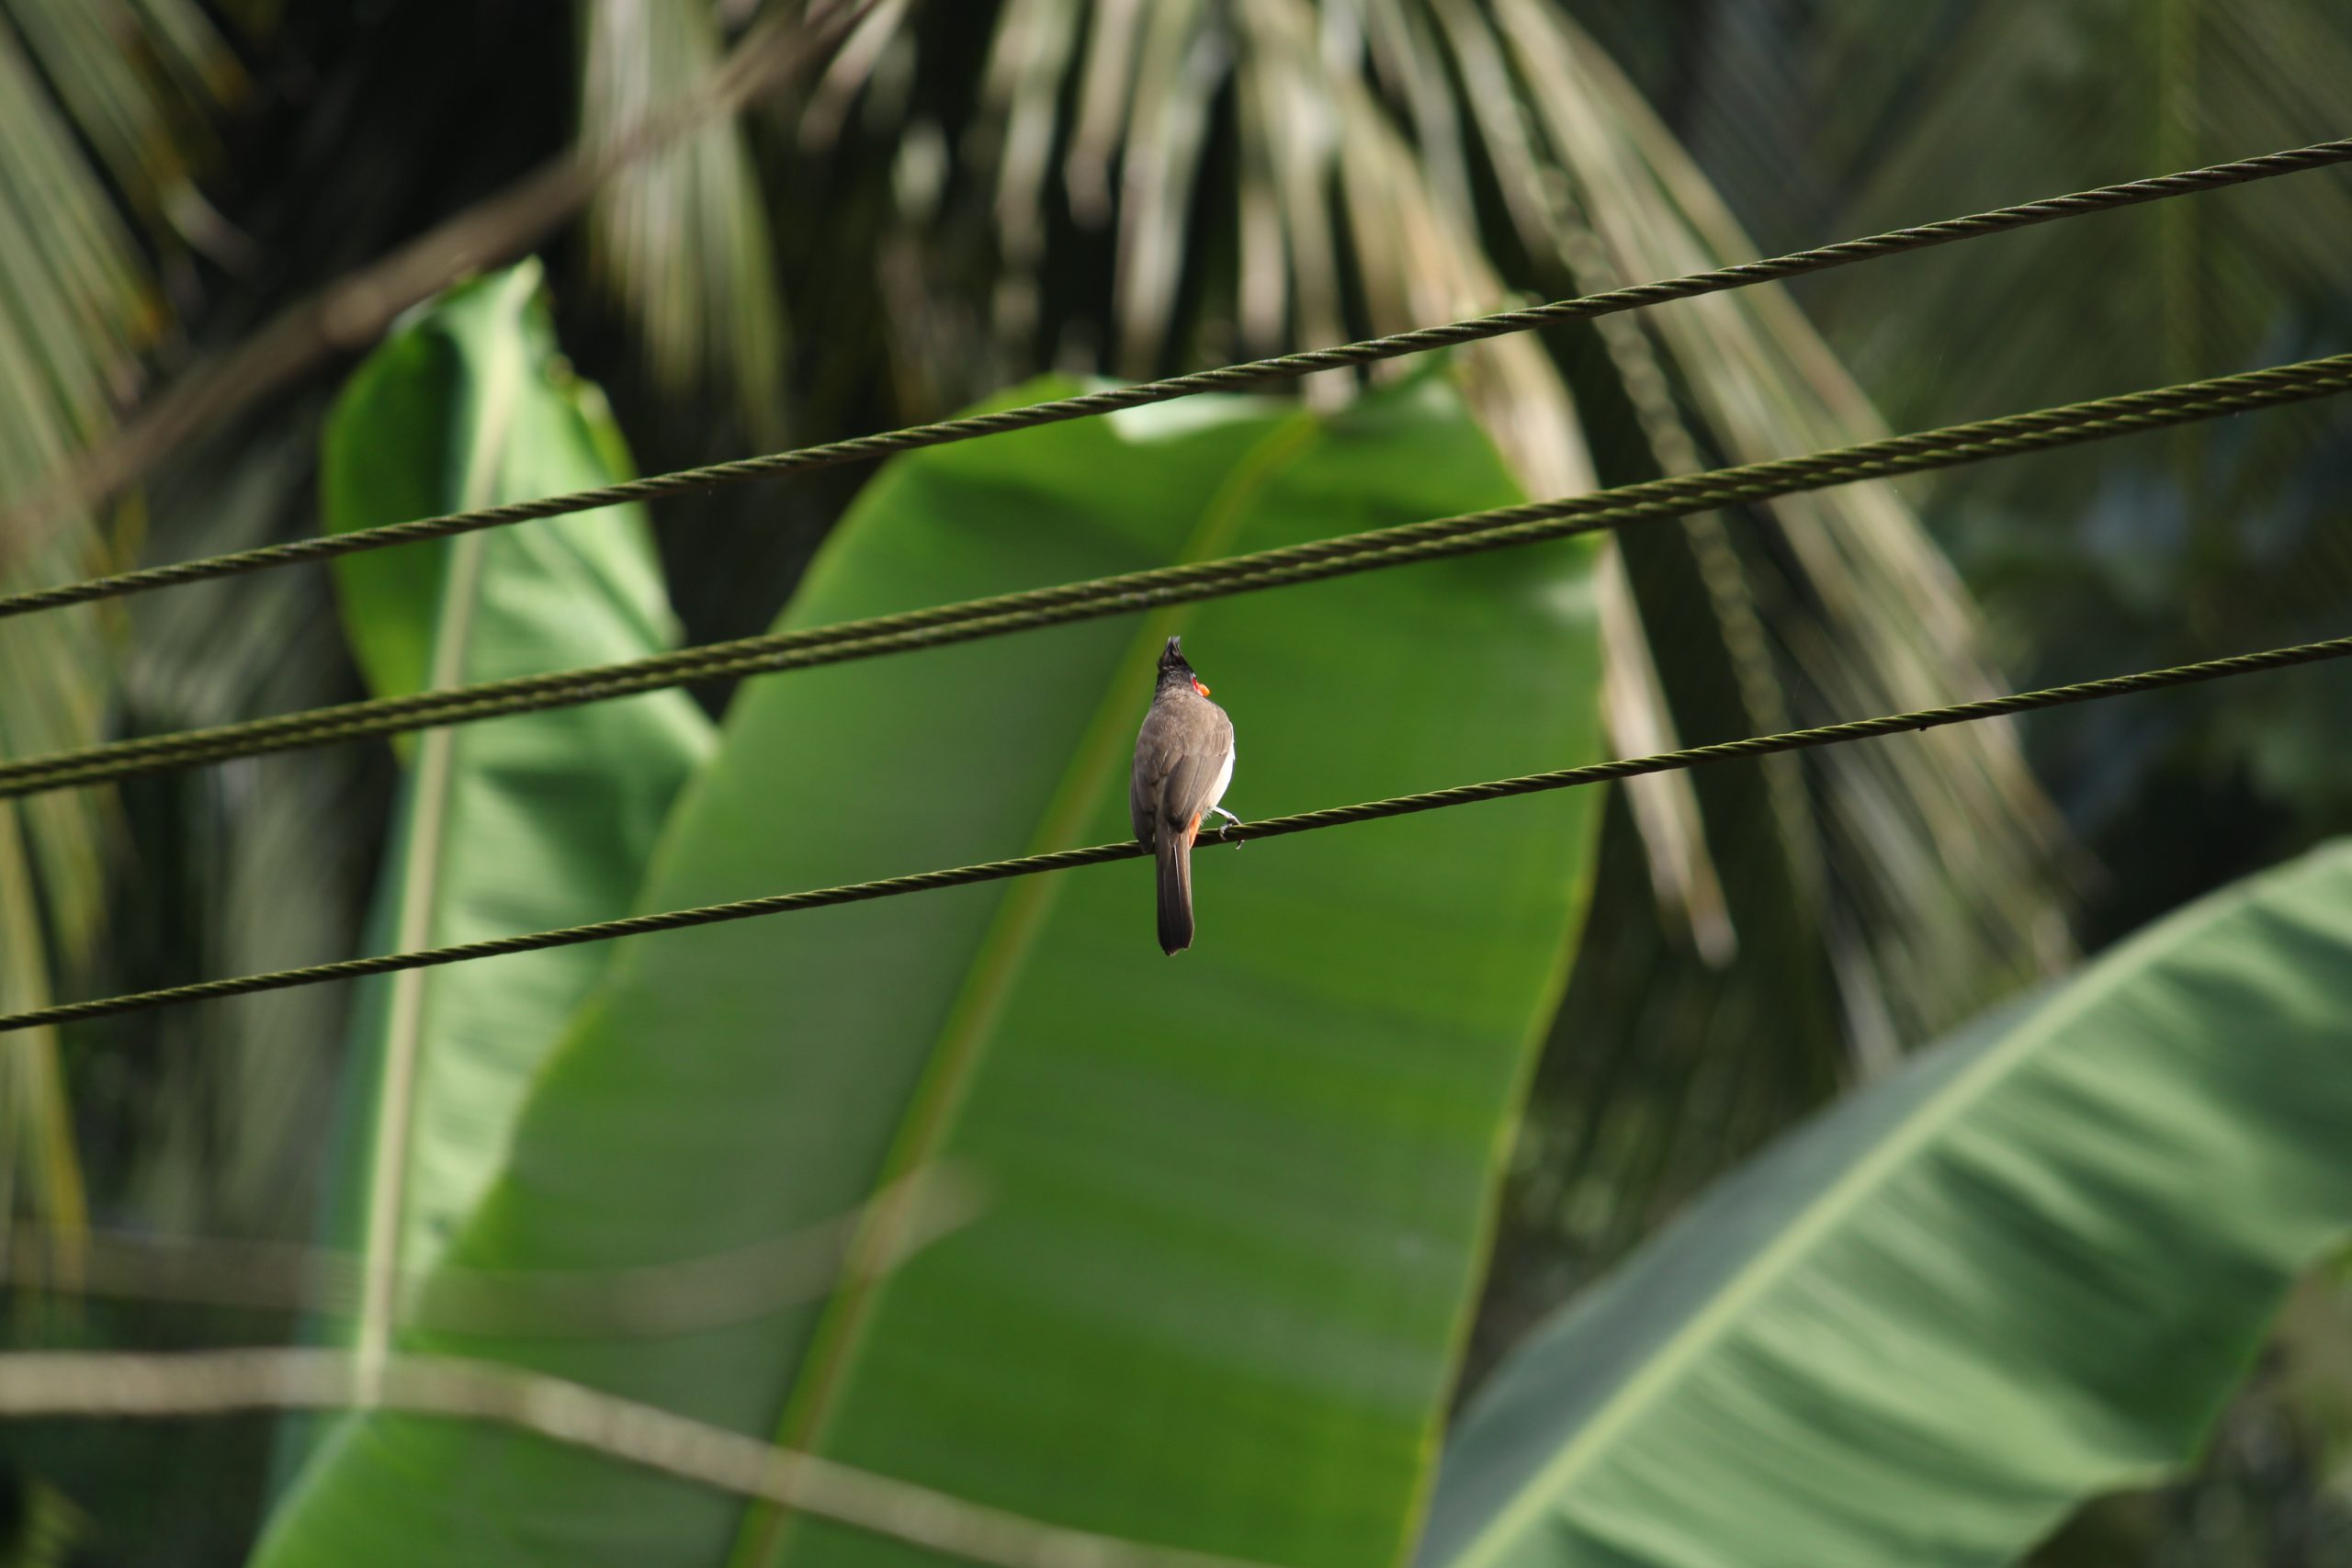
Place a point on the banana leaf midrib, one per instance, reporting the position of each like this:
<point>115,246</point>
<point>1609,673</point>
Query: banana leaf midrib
<point>387,1206</point>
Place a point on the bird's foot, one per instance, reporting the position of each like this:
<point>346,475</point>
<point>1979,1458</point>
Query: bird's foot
<point>1230,822</point>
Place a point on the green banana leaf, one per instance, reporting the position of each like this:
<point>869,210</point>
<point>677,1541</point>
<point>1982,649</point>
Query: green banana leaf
<point>1236,1199</point>
<point>2028,1267</point>
<point>543,820</point>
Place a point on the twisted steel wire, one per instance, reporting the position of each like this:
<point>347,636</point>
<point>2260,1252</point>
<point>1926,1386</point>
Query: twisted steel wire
<point>1272,828</point>
<point>1231,377</point>
<point>1528,523</point>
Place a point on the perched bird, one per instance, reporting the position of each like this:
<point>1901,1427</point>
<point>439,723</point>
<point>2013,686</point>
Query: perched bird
<point>1183,761</point>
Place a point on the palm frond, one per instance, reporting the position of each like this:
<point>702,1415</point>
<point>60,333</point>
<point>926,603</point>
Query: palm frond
<point>680,239</point>
<point>142,115</point>
<point>260,862</point>
<point>37,1135</point>
<point>1865,613</point>
<point>2152,551</point>
<point>130,83</point>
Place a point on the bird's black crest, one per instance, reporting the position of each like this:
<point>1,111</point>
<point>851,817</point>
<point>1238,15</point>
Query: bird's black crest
<point>1172,664</point>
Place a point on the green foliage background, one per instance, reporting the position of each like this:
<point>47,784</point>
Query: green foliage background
<point>973,194</point>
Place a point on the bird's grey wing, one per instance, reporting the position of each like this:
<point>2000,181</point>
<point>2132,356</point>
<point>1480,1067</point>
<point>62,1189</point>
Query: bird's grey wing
<point>1156,757</point>
<point>1192,784</point>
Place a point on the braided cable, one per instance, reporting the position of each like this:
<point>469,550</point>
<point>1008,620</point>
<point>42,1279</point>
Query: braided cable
<point>1272,828</point>
<point>1231,377</point>
<point>1528,523</point>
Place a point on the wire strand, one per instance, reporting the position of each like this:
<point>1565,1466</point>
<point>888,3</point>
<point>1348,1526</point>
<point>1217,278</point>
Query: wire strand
<point>1272,828</point>
<point>1230,377</point>
<point>1530,522</point>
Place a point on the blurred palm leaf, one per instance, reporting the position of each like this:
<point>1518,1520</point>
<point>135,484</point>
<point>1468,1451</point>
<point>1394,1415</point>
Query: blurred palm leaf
<point>104,111</point>
<point>2108,90</point>
<point>1864,612</point>
<point>1262,177</point>
<point>680,238</point>
<point>96,99</point>
<point>253,865</point>
<point>40,1526</point>
<point>1855,920</point>
<point>2165,549</point>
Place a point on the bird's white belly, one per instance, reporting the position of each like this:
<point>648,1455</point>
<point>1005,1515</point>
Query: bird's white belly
<point>1224,777</point>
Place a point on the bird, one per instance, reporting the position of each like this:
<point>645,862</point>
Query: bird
<point>1184,763</point>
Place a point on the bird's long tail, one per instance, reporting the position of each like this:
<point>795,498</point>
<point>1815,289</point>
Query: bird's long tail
<point>1174,854</point>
